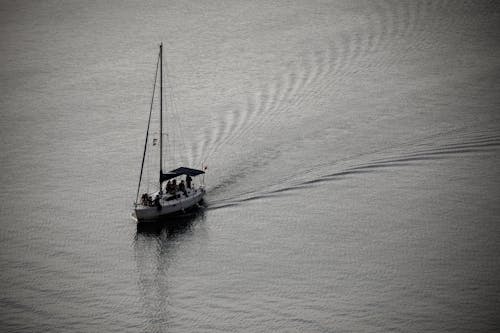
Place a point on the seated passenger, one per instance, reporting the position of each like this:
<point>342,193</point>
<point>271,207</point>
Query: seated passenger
<point>174,186</point>
<point>156,202</point>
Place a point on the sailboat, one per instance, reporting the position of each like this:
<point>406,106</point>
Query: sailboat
<point>180,193</point>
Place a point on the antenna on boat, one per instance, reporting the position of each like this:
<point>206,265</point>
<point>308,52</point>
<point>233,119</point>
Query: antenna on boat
<point>161,112</point>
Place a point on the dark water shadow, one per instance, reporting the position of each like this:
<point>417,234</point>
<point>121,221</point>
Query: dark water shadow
<point>158,245</point>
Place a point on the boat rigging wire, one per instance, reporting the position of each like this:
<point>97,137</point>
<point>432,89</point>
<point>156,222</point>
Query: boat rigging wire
<point>147,130</point>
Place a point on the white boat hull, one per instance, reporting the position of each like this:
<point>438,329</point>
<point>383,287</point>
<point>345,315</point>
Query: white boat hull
<point>168,207</point>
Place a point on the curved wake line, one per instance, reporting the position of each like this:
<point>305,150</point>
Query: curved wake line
<point>304,81</point>
<point>483,144</point>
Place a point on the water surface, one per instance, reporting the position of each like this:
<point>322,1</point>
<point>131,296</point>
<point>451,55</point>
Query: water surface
<point>352,153</point>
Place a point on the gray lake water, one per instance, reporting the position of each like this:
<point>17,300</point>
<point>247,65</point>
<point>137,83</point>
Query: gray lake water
<point>353,166</point>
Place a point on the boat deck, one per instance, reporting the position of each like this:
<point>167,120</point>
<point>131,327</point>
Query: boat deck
<point>169,206</point>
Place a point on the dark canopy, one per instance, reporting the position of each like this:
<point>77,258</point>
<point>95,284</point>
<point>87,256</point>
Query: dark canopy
<point>179,172</point>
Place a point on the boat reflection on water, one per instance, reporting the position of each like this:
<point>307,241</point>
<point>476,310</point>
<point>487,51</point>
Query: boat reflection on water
<point>172,225</point>
<point>160,247</point>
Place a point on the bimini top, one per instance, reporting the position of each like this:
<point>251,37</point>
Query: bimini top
<point>179,172</point>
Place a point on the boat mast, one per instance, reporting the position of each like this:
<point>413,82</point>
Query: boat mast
<point>161,112</point>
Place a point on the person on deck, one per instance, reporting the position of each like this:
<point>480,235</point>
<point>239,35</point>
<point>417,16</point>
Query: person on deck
<point>182,188</point>
<point>188,181</point>
<point>168,187</point>
<point>174,186</point>
<point>144,199</point>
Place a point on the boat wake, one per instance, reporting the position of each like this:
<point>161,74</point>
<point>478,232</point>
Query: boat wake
<point>320,90</point>
<point>400,156</point>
